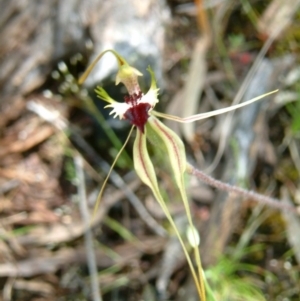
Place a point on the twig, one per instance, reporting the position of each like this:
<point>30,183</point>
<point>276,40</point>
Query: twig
<point>8,288</point>
<point>88,238</point>
<point>272,202</point>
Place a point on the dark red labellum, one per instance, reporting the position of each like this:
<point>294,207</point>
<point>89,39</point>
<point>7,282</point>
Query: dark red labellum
<point>138,113</point>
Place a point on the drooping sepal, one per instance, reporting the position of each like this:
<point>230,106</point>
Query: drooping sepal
<point>146,172</point>
<point>143,164</point>
<point>176,154</point>
<point>173,145</point>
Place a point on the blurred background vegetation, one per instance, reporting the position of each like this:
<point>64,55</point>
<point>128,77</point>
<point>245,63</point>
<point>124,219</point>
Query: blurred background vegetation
<point>203,60</point>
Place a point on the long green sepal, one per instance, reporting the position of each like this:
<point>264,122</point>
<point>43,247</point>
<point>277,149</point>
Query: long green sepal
<point>212,113</point>
<point>145,170</point>
<point>177,157</point>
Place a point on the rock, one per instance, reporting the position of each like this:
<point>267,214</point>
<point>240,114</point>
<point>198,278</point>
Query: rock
<point>133,28</point>
<point>35,35</point>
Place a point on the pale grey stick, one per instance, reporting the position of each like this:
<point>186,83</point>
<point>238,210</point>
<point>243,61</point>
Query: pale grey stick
<point>271,202</point>
<point>88,237</point>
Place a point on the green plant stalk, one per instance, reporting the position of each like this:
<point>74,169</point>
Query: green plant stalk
<point>195,246</point>
<point>209,291</point>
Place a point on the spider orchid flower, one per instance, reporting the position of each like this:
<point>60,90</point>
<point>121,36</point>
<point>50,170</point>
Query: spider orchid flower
<point>138,109</point>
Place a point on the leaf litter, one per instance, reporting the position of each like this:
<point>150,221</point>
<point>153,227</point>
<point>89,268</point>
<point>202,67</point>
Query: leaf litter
<point>40,220</point>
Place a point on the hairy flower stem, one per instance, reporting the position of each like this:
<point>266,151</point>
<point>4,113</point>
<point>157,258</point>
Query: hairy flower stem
<point>272,202</point>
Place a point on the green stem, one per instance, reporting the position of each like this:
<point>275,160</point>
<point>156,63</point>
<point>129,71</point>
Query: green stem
<point>195,247</point>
